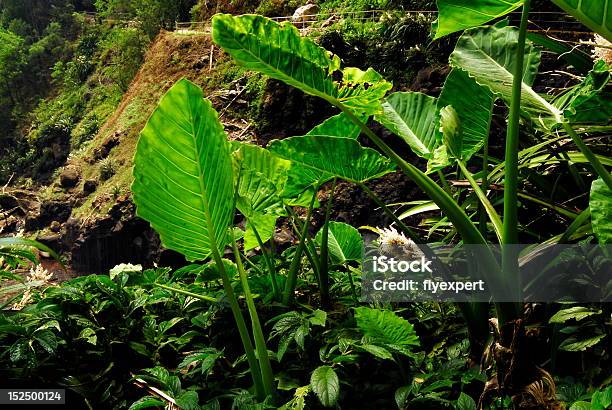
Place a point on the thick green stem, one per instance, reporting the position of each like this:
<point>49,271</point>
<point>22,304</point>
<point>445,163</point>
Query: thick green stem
<point>510,266</point>
<point>291,282</point>
<point>269,263</point>
<point>484,183</point>
<point>493,216</point>
<point>324,255</point>
<point>586,151</point>
<point>260,341</point>
<point>240,323</point>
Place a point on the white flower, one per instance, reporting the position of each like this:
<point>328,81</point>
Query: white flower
<point>602,53</point>
<point>391,242</point>
<point>39,274</point>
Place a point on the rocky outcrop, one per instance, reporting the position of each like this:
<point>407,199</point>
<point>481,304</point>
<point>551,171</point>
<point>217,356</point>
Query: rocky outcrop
<point>303,15</point>
<point>119,237</point>
<point>69,178</point>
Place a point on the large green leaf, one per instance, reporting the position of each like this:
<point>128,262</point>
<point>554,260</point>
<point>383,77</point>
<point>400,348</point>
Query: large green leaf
<point>279,51</point>
<point>600,203</point>
<point>413,117</point>
<point>474,113</point>
<point>452,132</point>
<point>261,181</point>
<point>487,54</point>
<point>595,14</point>
<point>260,202</point>
<point>324,382</point>
<point>385,326</point>
<point>344,242</point>
<point>457,15</point>
<point>589,102</point>
<point>184,184</point>
<point>251,157</point>
<point>327,157</point>
<point>337,126</point>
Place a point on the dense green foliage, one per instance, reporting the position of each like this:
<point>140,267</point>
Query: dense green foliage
<point>508,163</point>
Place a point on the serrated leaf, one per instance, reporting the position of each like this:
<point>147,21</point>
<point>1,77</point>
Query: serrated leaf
<point>344,242</point>
<point>577,312</point>
<point>600,204</point>
<point>413,117</point>
<point>183,173</point>
<point>457,15</point>
<point>324,382</point>
<point>385,326</point>
<point>573,344</point>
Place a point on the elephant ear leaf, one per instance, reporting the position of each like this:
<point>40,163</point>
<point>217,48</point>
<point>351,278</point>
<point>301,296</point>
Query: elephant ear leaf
<point>595,14</point>
<point>344,242</point>
<point>338,126</point>
<point>260,202</point>
<point>278,51</point>
<point>600,203</point>
<point>457,15</point>
<point>322,158</point>
<point>486,54</point>
<point>413,117</point>
<point>475,115</point>
<point>589,102</point>
<point>183,176</point>
<point>450,126</point>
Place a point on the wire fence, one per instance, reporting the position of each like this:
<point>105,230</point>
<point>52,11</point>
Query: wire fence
<point>543,21</point>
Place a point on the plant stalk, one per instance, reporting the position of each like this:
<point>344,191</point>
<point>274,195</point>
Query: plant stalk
<point>269,263</point>
<point>510,267</point>
<point>260,341</point>
<point>324,253</point>
<point>291,282</point>
<point>484,201</point>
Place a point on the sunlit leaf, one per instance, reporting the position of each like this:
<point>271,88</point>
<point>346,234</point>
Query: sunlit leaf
<point>278,50</point>
<point>344,242</point>
<point>457,15</point>
<point>413,117</point>
<point>600,203</point>
<point>183,173</point>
